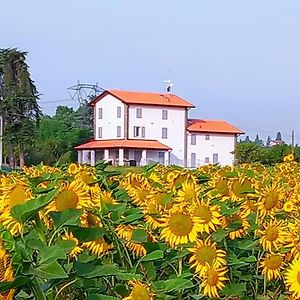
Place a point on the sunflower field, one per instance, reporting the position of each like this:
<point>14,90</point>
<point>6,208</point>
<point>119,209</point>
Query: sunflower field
<point>81,232</point>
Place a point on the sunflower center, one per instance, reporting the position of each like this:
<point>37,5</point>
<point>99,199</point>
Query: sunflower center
<point>298,277</point>
<point>204,213</point>
<point>222,187</point>
<point>87,177</point>
<point>66,200</point>
<point>272,234</point>
<point>239,188</point>
<point>181,224</point>
<point>212,277</point>
<point>140,293</point>
<point>271,200</point>
<point>273,262</point>
<point>17,196</point>
<point>205,255</point>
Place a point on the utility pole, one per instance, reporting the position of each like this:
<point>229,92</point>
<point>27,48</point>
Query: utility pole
<point>293,142</point>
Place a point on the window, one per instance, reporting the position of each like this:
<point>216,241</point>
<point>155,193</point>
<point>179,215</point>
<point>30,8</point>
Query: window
<point>164,134</point>
<point>207,160</point>
<point>138,112</point>
<point>164,114</point>
<point>215,158</point>
<point>207,137</point>
<point>161,157</point>
<point>118,131</point>
<point>139,131</point>
<point>100,113</point>
<point>193,160</point>
<point>193,139</point>
<point>99,132</point>
<point>119,111</point>
<point>143,132</point>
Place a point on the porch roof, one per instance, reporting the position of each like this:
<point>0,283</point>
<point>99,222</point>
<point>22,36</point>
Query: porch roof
<point>121,143</point>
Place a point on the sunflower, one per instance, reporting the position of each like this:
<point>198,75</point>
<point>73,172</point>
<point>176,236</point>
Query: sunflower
<point>288,206</point>
<point>209,216</point>
<point>222,187</point>
<point>270,199</point>
<point>6,273</point>
<point>289,158</point>
<point>88,219</point>
<point>16,192</point>
<point>239,187</point>
<point>272,265</point>
<point>140,291</point>
<point>188,193</point>
<point>98,247</point>
<point>125,232</point>
<point>237,225</point>
<point>71,195</point>
<point>204,254</point>
<point>272,235</point>
<point>292,278</point>
<point>180,227</point>
<point>138,195</point>
<point>152,213</point>
<point>85,174</point>
<point>161,199</point>
<point>73,168</point>
<point>76,250</point>
<point>213,281</point>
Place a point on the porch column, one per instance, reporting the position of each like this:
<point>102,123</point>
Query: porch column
<point>80,156</point>
<point>144,157</point>
<point>106,154</point>
<point>166,158</point>
<point>121,157</point>
<point>93,157</point>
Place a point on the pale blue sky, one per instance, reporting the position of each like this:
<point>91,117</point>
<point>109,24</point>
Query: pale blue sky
<point>236,60</point>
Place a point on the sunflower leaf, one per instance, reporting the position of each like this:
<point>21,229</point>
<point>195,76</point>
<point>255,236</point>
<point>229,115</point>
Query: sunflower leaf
<point>157,254</point>
<point>86,234</point>
<point>68,217</point>
<point>18,281</point>
<point>26,211</point>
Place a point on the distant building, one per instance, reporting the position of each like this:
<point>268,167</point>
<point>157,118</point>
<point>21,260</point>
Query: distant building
<point>136,128</point>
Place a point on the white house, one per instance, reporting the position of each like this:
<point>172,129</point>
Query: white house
<point>136,128</point>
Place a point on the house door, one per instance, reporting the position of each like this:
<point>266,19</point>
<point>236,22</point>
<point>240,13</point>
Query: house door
<point>138,157</point>
<point>215,158</point>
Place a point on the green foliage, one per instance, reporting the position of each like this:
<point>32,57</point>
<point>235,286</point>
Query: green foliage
<point>58,135</point>
<point>254,153</point>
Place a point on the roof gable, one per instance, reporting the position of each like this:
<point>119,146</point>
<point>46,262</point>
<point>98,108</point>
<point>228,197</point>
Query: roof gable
<point>213,126</point>
<point>143,98</point>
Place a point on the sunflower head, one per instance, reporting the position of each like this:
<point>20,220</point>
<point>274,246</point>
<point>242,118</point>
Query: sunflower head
<point>140,291</point>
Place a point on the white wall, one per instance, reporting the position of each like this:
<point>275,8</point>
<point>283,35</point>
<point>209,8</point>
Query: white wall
<point>221,144</point>
<point>153,123</point>
<point>109,121</point>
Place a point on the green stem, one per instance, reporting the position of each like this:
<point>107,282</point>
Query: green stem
<point>39,226</point>
<point>36,290</point>
<point>179,274</point>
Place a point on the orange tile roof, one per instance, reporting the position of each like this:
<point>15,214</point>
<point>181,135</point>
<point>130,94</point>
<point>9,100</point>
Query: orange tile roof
<point>214,126</point>
<point>145,98</point>
<point>134,144</point>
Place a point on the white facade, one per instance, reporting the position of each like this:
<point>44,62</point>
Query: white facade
<point>180,142</point>
<point>109,114</point>
<point>164,124</point>
<point>210,148</point>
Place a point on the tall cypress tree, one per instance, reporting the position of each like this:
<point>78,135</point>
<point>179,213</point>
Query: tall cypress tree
<point>18,104</point>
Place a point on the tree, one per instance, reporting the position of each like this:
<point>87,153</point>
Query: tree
<point>58,135</point>
<point>278,136</point>
<point>248,153</point>
<point>258,141</point>
<point>18,105</point>
<point>268,142</point>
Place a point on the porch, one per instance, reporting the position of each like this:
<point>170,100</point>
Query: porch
<point>124,152</point>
